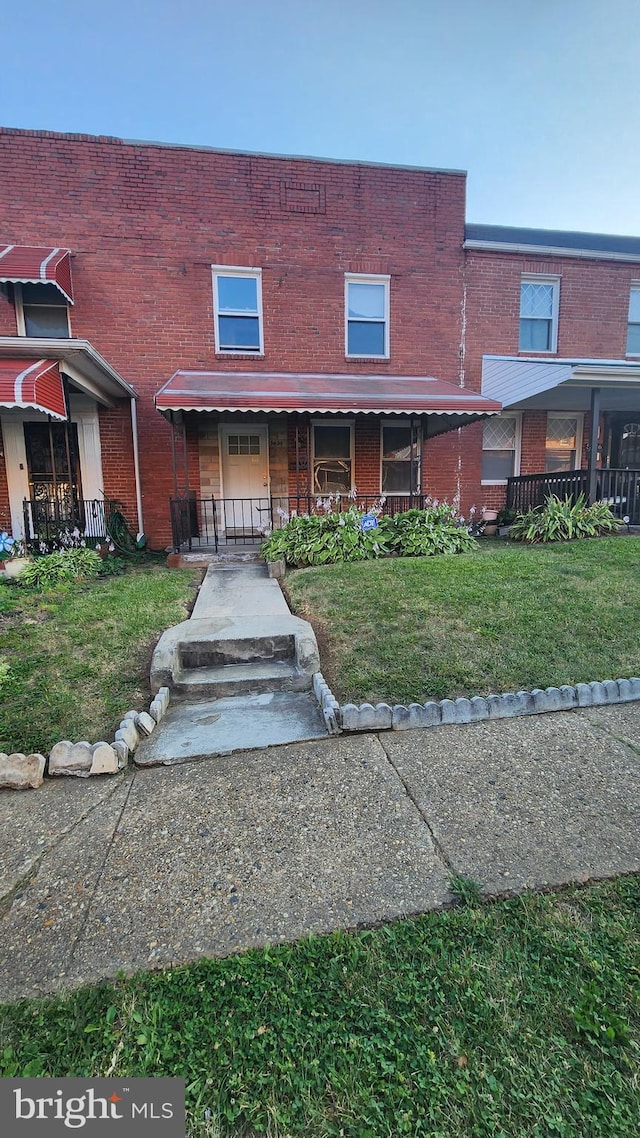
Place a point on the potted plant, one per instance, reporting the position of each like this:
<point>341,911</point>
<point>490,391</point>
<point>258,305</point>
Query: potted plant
<point>12,559</point>
<point>490,518</point>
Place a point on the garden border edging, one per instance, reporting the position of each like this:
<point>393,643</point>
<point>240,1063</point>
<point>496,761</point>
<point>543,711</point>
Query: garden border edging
<point>434,713</point>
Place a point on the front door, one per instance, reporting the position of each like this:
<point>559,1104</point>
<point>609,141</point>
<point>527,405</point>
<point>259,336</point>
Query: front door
<point>625,441</point>
<point>245,479</point>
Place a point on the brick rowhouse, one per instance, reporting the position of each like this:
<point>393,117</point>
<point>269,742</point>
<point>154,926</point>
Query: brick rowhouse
<point>145,222</point>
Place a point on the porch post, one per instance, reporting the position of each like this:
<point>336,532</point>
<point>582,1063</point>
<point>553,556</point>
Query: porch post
<point>69,449</point>
<point>593,445</point>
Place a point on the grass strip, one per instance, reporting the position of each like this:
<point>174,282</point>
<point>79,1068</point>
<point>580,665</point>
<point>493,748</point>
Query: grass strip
<point>517,1018</point>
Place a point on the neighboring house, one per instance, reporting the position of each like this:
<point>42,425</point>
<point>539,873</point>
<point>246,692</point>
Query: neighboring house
<point>554,330</point>
<point>237,333</point>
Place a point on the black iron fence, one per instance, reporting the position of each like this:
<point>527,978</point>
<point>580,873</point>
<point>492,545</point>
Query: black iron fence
<point>199,523</point>
<point>619,488</point>
<point>54,519</point>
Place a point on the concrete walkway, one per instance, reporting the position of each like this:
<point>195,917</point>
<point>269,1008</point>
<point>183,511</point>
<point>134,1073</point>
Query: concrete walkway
<point>160,866</point>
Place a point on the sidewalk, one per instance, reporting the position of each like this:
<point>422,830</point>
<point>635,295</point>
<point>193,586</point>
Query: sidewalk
<point>161,866</point>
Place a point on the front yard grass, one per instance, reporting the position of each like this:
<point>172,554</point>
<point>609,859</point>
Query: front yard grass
<point>79,656</point>
<point>503,618</point>
<point>516,1019</point>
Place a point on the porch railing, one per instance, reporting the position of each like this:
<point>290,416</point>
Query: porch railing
<point>198,523</point>
<point>619,488</point>
<point>48,519</point>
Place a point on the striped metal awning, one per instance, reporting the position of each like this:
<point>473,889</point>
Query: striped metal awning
<point>32,384</point>
<point>27,264</point>
<point>324,394</point>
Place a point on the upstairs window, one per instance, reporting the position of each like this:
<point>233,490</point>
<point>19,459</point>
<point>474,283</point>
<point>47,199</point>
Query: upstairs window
<point>400,459</point>
<point>500,448</point>
<point>539,314</point>
<point>633,327</point>
<point>41,310</point>
<point>367,320</point>
<point>563,443</point>
<point>237,300</point>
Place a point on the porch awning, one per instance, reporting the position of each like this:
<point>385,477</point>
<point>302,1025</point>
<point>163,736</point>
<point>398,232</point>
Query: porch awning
<point>27,264</point>
<point>559,384</point>
<point>322,394</point>
<point>37,385</point>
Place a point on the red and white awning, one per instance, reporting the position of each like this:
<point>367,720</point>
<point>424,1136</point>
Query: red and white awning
<point>326,394</point>
<point>27,264</point>
<point>32,384</point>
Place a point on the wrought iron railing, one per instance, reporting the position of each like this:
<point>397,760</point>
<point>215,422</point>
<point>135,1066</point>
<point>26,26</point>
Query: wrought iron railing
<point>53,519</point>
<point>198,523</point>
<point>620,488</point>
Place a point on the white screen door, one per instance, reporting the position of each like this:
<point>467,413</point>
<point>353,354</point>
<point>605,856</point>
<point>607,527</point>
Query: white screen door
<point>245,477</point>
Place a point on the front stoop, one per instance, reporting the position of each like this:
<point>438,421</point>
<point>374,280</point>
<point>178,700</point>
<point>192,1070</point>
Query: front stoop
<point>214,658</point>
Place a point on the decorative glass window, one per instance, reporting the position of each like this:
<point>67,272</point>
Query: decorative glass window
<point>539,314</point>
<point>562,442</point>
<point>500,442</point>
<point>44,311</point>
<point>237,299</point>
<point>633,327</point>
<point>400,459</point>
<point>243,444</point>
<point>367,322</point>
<point>331,458</point>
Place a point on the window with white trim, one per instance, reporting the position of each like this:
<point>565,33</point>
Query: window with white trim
<point>500,448</point>
<point>539,313</point>
<point>400,459</point>
<point>41,310</point>
<point>633,326</point>
<point>237,304</point>
<point>367,316</point>
<point>563,443</point>
<point>332,458</point>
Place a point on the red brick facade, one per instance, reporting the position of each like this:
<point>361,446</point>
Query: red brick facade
<point>145,223</point>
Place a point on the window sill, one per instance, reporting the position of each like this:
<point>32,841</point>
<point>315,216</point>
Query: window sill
<point>539,352</point>
<point>374,359</point>
<point>246,355</point>
<point>496,481</point>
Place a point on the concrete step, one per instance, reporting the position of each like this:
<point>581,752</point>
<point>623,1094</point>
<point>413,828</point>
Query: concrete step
<point>208,653</point>
<point>240,679</point>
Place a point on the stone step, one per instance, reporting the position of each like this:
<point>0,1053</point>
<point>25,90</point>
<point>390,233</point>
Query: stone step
<point>241,679</point>
<point>208,653</point>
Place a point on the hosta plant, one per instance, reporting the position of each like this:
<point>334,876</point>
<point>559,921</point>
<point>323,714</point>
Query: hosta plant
<point>322,539</point>
<point>563,519</point>
<point>424,533</point>
<point>56,568</point>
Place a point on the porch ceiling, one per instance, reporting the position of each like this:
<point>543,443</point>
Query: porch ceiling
<point>561,384</point>
<point>324,394</point>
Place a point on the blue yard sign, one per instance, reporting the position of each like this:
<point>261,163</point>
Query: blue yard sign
<point>369,521</point>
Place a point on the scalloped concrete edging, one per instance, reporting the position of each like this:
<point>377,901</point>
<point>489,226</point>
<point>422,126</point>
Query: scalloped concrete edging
<point>538,701</point>
<point>328,703</point>
<point>23,772</point>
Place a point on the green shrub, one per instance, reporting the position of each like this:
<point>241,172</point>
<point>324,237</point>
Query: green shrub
<point>562,519</point>
<point>56,568</point>
<point>424,533</point>
<point>322,539</point>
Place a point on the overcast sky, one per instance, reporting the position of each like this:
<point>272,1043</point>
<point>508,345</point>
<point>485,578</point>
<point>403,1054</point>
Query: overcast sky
<point>537,99</point>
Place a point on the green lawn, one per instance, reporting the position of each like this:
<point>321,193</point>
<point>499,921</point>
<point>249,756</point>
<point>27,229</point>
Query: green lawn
<point>79,657</point>
<point>517,1019</point>
<point>503,618</point>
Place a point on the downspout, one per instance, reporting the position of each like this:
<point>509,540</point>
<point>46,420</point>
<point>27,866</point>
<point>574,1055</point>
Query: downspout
<point>136,462</point>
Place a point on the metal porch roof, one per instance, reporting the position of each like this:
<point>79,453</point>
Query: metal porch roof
<point>324,394</point>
